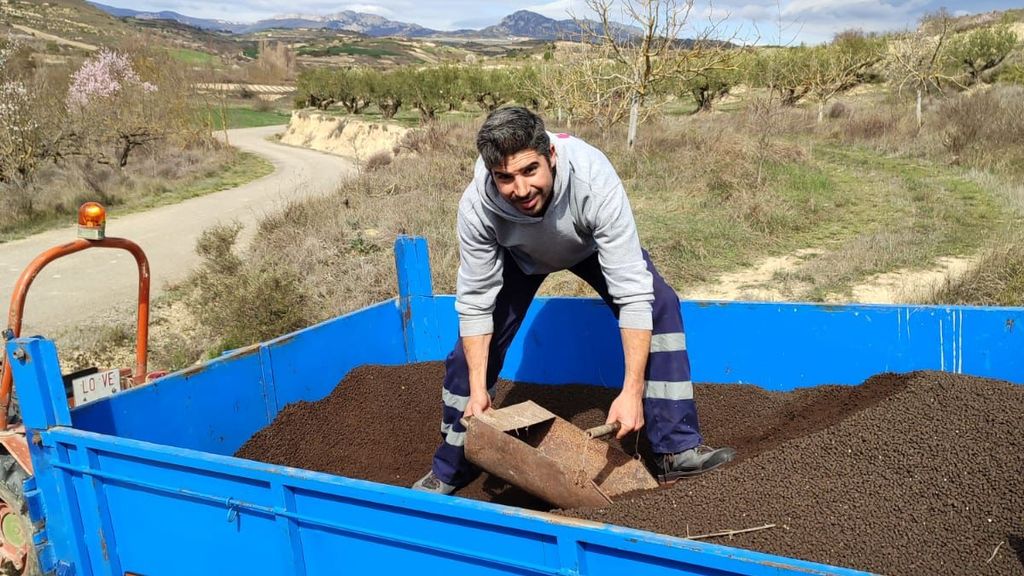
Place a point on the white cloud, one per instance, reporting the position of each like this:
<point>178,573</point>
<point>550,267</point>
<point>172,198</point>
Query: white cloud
<point>560,9</point>
<point>369,9</point>
<point>838,9</point>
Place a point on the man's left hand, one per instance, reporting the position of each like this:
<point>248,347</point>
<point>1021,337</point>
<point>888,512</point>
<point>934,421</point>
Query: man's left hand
<point>627,410</point>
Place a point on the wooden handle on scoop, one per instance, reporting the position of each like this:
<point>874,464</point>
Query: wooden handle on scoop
<point>604,430</point>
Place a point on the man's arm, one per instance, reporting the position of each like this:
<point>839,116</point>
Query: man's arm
<point>476,349</point>
<point>628,407</point>
<point>630,285</point>
<point>479,280</point>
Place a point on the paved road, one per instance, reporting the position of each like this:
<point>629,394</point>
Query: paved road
<point>91,284</point>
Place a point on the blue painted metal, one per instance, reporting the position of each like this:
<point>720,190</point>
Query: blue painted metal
<point>144,481</point>
<point>221,404</point>
<point>416,300</point>
<point>777,346</point>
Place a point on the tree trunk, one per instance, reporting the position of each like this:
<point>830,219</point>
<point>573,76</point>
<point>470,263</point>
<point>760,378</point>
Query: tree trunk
<point>126,149</point>
<point>634,118</point>
<point>703,98</point>
<point>918,110</point>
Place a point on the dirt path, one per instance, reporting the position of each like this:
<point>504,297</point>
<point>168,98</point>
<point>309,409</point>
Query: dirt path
<point>758,282</point>
<point>44,36</point>
<point>91,284</point>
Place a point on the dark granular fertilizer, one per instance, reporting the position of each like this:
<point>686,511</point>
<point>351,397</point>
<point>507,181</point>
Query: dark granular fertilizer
<point>921,473</point>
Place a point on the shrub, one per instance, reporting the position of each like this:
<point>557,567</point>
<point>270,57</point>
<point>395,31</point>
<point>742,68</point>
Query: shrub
<point>838,110</point>
<point>984,127</point>
<point>377,160</point>
<point>997,280</point>
<point>242,302</point>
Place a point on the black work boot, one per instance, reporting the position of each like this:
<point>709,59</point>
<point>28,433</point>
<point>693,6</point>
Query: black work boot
<point>431,483</point>
<point>693,462</point>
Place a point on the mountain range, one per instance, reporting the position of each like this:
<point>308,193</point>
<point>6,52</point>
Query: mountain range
<point>522,24</point>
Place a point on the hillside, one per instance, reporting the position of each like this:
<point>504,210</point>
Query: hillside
<point>60,25</point>
<point>69,19</point>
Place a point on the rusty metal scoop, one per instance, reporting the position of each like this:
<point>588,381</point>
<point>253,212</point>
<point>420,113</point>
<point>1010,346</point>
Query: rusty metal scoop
<point>530,447</point>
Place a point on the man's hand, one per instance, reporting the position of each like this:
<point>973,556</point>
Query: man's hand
<point>627,410</point>
<point>477,405</point>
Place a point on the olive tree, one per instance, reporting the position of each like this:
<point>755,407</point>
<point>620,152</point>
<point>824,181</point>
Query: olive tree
<point>980,52</point>
<point>432,90</point>
<point>387,90</point>
<point>717,73</point>
<point>784,72</point>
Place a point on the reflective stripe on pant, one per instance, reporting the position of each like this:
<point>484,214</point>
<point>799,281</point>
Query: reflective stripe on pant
<point>669,409</point>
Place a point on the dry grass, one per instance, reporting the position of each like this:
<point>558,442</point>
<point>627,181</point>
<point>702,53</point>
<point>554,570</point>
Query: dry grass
<point>981,128</point>
<point>984,128</point>
<point>997,280</point>
<point>338,248</point>
<point>710,193</point>
<point>155,177</point>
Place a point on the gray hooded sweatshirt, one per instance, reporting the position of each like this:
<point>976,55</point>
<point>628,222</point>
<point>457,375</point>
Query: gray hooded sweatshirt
<point>588,212</point>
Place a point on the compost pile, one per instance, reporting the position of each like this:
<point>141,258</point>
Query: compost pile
<point>921,473</point>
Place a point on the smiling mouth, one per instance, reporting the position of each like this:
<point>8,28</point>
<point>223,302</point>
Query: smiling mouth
<point>529,203</point>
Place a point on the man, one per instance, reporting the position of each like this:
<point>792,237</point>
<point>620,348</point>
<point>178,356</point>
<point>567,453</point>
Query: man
<point>539,204</point>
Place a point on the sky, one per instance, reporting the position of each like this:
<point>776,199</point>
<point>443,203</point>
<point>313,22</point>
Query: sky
<point>753,22</point>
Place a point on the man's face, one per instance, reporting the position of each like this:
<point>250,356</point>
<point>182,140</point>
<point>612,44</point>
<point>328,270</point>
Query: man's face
<point>526,181</point>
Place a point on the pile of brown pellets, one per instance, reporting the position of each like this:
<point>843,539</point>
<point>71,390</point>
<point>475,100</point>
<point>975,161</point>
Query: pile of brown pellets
<point>920,473</point>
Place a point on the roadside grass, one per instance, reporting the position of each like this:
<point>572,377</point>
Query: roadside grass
<point>245,167</point>
<point>148,192</point>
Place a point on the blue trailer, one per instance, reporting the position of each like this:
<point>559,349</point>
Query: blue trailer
<point>144,482</point>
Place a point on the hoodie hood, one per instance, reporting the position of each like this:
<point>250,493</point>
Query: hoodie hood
<point>493,201</point>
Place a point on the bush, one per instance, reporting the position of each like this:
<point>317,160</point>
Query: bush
<point>997,280</point>
<point>871,125</point>
<point>984,127</point>
<point>243,302</point>
<point>377,161</point>
<point>838,110</point>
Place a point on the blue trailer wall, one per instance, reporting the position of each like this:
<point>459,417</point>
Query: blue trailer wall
<point>142,481</point>
<point>777,346</point>
<point>218,406</point>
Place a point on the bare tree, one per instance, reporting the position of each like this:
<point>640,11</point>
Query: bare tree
<point>642,60</point>
<point>838,67</point>
<point>916,61</point>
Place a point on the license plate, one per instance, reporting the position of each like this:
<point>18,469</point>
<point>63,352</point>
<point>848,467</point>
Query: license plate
<point>96,386</point>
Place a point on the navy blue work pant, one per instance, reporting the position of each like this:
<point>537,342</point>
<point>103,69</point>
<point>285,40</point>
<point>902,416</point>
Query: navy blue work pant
<point>669,409</point>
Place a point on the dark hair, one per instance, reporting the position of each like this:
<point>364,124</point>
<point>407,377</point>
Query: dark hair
<point>509,131</point>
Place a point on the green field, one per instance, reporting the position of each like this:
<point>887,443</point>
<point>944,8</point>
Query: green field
<point>193,57</point>
<point>245,117</point>
<point>349,49</point>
